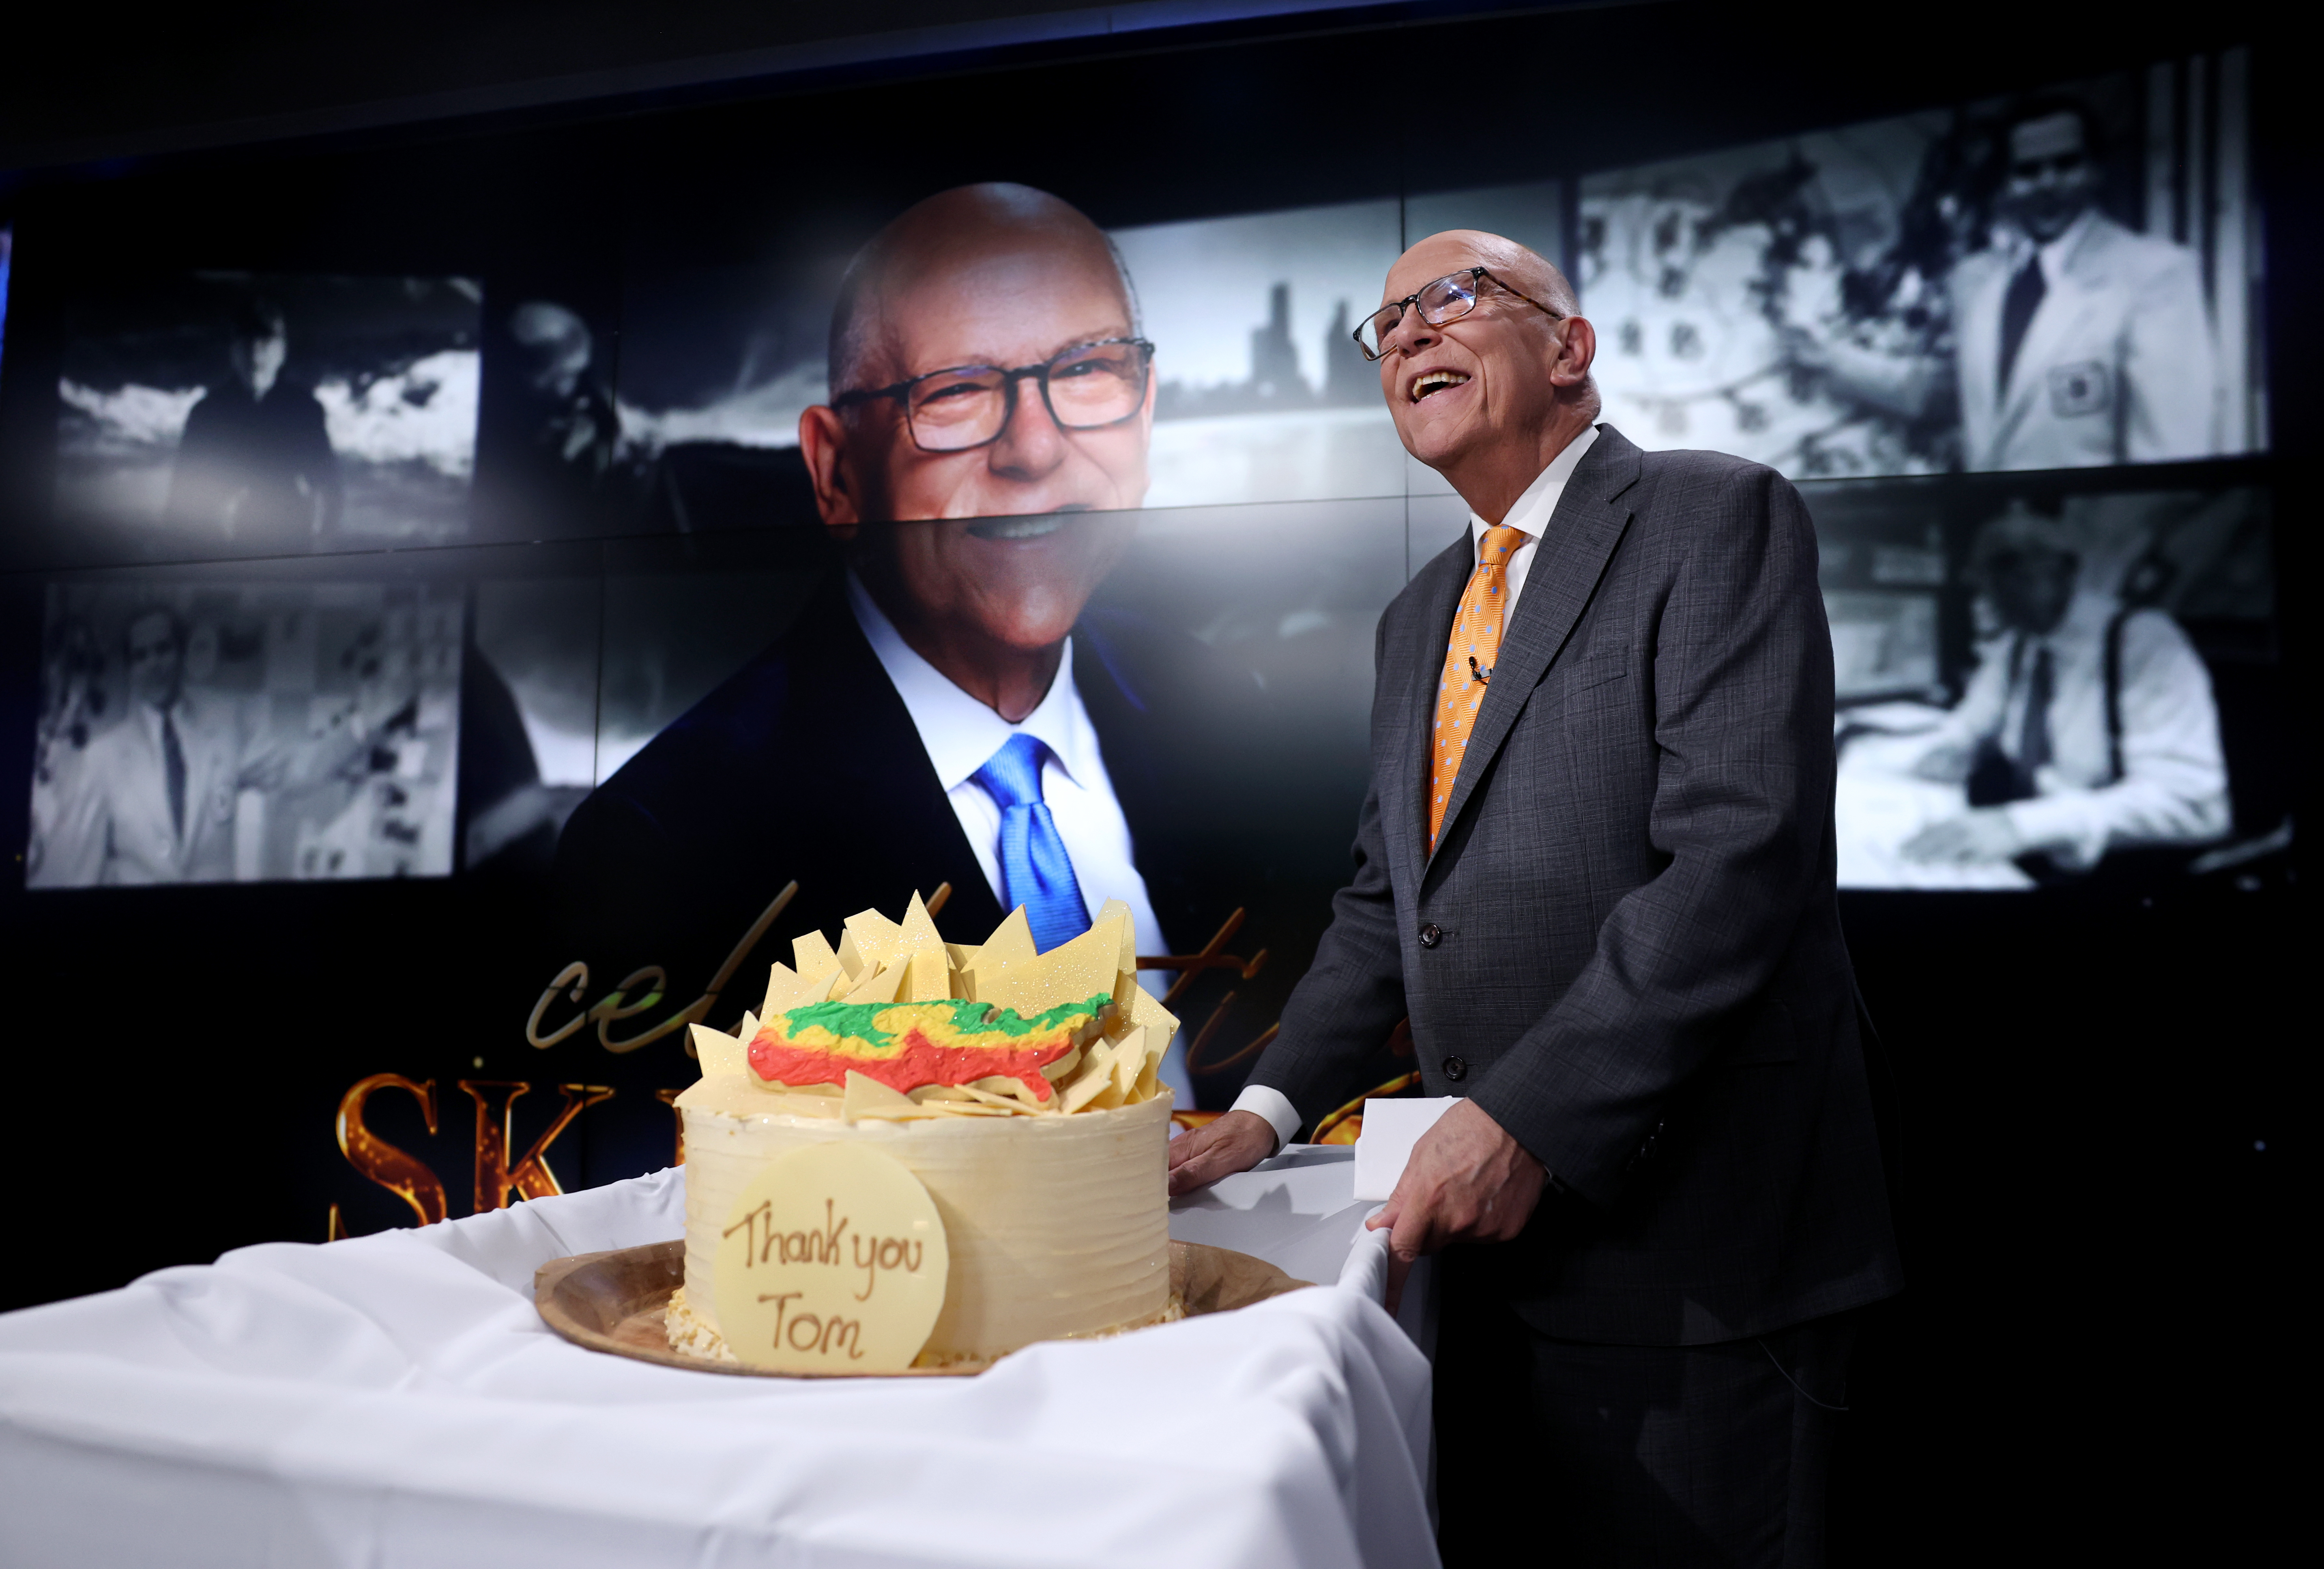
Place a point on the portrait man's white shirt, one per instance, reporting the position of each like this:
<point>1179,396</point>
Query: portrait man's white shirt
<point>1530,515</point>
<point>960,734</point>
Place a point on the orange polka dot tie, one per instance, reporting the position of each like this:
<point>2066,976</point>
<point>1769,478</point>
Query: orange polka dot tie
<point>1468,666</point>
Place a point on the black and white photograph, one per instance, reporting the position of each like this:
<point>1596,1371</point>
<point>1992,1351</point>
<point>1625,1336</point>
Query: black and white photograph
<point>269,414</point>
<point>548,435</point>
<point>245,732</point>
<point>2037,689</point>
<point>2063,279</point>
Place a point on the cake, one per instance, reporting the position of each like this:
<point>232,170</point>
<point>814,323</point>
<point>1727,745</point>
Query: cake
<point>1020,1088</point>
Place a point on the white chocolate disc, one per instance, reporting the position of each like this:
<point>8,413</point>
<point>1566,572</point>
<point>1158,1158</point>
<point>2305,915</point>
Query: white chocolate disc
<point>834,1260</point>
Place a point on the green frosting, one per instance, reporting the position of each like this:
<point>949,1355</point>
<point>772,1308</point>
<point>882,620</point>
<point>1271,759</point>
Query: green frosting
<point>855,1019</point>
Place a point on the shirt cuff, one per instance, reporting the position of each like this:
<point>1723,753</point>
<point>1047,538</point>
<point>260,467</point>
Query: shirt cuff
<point>1272,1107</point>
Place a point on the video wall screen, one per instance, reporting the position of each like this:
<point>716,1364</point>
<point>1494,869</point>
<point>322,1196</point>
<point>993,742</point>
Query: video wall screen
<point>1986,288</point>
<point>243,732</point>
<point>2051,686</point>
<point>732,554</point>
<point>240,414</point>
<point>2064,280</point>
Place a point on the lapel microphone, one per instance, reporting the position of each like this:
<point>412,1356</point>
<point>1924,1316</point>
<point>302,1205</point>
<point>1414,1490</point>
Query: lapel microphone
<point>1481,672</point>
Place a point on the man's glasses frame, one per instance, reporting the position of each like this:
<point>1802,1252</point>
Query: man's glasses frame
<point>1456,297</point>
<point>902,392</point>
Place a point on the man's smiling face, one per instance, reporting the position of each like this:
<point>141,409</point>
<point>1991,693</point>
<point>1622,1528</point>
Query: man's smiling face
<point>1479,380</point>
<point>1012,306</point>
<point>1008,539</point>
<point>2052,180</point>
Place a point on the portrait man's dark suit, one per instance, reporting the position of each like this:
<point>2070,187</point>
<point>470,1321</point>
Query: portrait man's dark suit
<point>1626,946</point>
<point>805,765</point>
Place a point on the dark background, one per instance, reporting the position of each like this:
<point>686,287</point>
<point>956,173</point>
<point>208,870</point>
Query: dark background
<point>2102,1138</point>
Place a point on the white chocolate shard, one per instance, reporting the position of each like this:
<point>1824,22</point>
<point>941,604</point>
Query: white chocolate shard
<point>929,977</point>
<point>1113,909</point>
<point>1069,973</point>
<point>1130,1062</point>
<point>1085,1087</point>
<point>781,980</point>
<point>1004,1086</point>
<point>1159,1022</point>
<point>878,939</point>
<point>1014,1104</point>
<point>812,957</point>
<point>788,989</point>
<point>877,985</point>
<point>720,1054</point>
<point>1011,941</point>
<point>867,1097</point>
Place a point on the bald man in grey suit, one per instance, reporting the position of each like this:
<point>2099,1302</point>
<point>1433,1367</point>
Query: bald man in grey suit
<point>1660,1195</point>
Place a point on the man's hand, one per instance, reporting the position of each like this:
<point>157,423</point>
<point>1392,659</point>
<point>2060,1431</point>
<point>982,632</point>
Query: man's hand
<point>1467,1181</point>
<point>1944,764</point>
<point>1235,1142</point>
<point>1981,838</point>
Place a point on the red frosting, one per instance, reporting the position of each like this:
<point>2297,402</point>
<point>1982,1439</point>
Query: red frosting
<point>916,1062</point>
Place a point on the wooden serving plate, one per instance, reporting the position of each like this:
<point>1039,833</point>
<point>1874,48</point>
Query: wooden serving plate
<point>613,1302</point>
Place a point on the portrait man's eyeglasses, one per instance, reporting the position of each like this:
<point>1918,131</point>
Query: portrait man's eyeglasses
<point>1448,299</point>
<point>1087,387</point>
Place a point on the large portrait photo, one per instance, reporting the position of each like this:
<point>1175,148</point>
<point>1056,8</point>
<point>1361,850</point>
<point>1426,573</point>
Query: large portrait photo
<point>989,683</point>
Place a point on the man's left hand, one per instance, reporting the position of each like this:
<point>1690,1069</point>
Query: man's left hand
<point>1467,1181</point>
<point>1981,838</point>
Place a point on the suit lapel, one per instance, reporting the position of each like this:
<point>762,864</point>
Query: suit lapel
<point>1405,822</point>
<point>875,763</point>
<point>1567,564</point>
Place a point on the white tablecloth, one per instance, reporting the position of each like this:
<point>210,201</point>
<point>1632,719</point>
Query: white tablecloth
<point>395,1400</point>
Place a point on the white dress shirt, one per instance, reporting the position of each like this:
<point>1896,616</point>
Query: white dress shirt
<point>960,734</point>
<point>2173,789</point>
<point>2055,254</point>
<point>1529,515</point>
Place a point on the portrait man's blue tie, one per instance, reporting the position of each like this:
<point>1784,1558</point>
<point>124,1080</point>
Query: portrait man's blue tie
<point>1034,871</point>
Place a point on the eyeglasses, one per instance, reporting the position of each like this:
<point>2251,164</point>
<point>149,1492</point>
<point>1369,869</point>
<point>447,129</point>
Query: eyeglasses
<point>1448,299</point>
<point>1087,387</point>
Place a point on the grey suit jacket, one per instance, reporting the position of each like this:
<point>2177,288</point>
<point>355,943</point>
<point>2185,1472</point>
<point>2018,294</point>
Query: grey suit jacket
<point>1626,946</point>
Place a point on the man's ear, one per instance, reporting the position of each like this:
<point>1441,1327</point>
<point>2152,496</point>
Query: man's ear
<point>1576,353</point>
<point>823,442</point>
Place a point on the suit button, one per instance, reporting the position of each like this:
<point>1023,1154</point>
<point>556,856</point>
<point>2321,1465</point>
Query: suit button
<point>1456,1069</point>
<point>1430,935</point>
